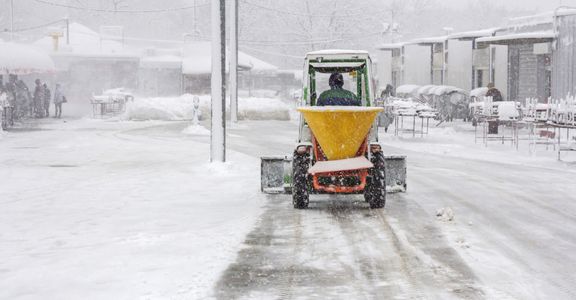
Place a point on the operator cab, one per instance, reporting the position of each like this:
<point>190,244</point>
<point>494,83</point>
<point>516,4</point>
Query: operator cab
<point>338,77</point>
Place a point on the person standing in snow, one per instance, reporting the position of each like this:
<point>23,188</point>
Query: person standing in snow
<point>38,99</point>
<point>47,98</point>
<point>494,93</point>
<point>58,100</point>
<point>22,99</point>
<point>386,117</point>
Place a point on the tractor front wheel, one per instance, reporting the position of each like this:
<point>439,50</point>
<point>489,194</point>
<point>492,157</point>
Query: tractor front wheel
<point>300,195</point>
<point>375,192</point>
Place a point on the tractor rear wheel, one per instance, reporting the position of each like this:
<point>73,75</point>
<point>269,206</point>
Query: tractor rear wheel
<point>300,195</point>
<point>375,192</point>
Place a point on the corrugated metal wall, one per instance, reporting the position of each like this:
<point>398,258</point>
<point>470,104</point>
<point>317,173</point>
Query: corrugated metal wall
<point>528,70</point>
<point>417,65</point>
<point>564,60</point>
<point>501,69</point>
<point>459,64</point>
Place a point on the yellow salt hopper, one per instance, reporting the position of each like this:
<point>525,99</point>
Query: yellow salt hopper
<point>340,130</point>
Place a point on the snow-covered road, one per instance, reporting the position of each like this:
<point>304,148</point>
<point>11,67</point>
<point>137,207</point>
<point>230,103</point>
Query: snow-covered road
<point>512,236</point>
<point>95,209</point>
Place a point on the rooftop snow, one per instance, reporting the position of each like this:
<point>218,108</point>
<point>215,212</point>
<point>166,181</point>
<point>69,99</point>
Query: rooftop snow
<point>338,52</point>
<point>473,34</point>
<point>429,40</point>
<point>390,46</point>
<point>86,42</point>
<point>520,38</point>
<point>542,18</point>
<point>255,63</point>
<point>23,59</point>
<point>161,61</point>
<point>197,60</point>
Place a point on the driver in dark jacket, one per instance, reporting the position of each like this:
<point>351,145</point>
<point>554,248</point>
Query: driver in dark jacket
<point>336,95</point>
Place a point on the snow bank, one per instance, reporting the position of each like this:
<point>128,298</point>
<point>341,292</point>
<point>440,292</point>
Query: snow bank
<point>196,130</point>
<point>138,218</point>
<point>165,108</point>
<point>182,108</point>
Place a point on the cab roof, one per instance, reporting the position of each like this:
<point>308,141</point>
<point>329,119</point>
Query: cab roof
<point>337,53</point>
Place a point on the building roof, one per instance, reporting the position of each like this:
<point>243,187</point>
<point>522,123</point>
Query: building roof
<point>86,42</point>
<point>428,41</point>
<point>470,35</point>
<point>519,38</point>
<point>337,52</point>
<point>197,59</point>
<point>161,62</point>
<point>23,59</point>
<point>388,47</point>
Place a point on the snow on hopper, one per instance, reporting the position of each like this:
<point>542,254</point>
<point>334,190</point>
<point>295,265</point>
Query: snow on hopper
<point>340,130</point>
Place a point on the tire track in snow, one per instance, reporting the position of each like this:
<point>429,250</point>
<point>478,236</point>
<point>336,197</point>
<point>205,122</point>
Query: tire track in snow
<point>502,224</point>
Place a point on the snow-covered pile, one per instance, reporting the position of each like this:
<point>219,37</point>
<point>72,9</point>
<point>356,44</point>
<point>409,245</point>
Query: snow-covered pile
<point>196,129</point>
<point>182,108</point>
<point>479,92</point>
<point>508,110</point>
<point>504,110</point>
<point>407,89</point>
<point>410,107</point>
<point>138,218</point>
<point>164,108</point>
<point>427,90</point>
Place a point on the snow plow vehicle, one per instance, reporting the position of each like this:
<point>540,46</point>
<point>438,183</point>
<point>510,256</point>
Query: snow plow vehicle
<point>337,151</point>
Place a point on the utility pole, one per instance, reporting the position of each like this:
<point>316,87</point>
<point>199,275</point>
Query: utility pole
<point>234,61</point>
<point>195,24</point>
<point>67,30</point>
<point>218,113</point>
<point>12,20</point>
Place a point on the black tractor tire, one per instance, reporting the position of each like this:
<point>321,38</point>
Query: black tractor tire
<point>375,192</point>
<point>300,193</point>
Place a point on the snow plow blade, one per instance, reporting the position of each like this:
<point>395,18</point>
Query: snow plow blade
<point>276,174</point>
<point>395,173</point>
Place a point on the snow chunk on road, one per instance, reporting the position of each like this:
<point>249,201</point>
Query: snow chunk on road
<point>445,214</point>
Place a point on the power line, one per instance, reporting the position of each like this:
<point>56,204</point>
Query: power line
<point>301,42</point>
<point>365,12</point>
<point>121,10</point>
<point>38,26</point>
